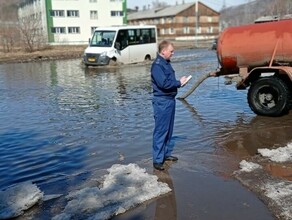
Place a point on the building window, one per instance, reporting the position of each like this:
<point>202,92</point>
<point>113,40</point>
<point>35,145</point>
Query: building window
<point>162,20</point>
<point>74,30</point>
<point>72,13</point>
<point>93,15</point>
<point>210,19</point>
<point>58,30</point>
<point>170,20</point>
<point>93,29</point>
<point>210,30</point>
<point>199,30</point>
<point>162,31</point>
<point>40,16</point>
<point>117,13</point>
<point>92,1</point>
<point>171,31</point>
<point>186,20</point>
<point>57,13</point>
<point>186,30</point>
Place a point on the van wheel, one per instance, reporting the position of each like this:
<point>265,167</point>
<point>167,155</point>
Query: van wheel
<point>112,62</point>
<point>147,58</point>
<point>269,96</point>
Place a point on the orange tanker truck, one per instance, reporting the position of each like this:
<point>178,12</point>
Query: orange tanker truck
<point>260,55</point>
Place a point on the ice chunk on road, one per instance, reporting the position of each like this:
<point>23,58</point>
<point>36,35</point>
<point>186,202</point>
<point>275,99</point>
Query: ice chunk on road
<point>248,166</point>
<point>281,194</point>
<point>123,188</point>
<point>281,154</point>
<point>15,200</point>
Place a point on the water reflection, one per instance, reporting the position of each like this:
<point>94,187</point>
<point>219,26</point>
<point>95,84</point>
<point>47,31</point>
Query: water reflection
<point>166,205</point>
<point>73,119</point>
<point>193,110</point>
<point>54,74</point>
<point>279,170</point>
<point>231,126</point>
<point>260,132</point>
<point>235,140</point>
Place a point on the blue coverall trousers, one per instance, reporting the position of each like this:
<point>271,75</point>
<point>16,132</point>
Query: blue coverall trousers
<point>164,112</point>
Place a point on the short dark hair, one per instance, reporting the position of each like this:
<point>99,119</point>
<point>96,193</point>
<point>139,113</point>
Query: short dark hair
<point>164,44</point>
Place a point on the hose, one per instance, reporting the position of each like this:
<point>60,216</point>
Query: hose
<point>196,84</point>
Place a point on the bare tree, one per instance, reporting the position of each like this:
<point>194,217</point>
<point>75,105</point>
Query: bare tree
<point>252,10</point>
<point>8,37</point>
<point>280,7</point>
<point>158,4</point>
<point>285,7</point>
<point>32,34</point>
<point>8,30</point>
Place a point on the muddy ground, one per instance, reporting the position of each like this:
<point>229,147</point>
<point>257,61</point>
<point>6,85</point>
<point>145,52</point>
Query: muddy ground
<point>51,53</point>
<point>272,184</point>
<point>63,52</point>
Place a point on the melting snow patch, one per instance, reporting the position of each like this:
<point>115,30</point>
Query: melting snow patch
<point>281,154</point>
<point>15,200</point>
<point>281,194</point>
<point>248,166</point>
<point>278,190</point>
<point>124,187</point>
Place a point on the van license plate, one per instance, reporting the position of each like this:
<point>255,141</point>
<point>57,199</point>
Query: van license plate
<point>91,59</point>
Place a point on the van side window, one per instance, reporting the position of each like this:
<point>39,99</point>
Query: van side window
<point>122,40</point>
<point>132,37</point>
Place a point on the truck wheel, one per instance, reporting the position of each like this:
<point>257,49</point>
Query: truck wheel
<point>269,96</point>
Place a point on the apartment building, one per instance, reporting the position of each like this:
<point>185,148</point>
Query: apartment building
<point>182,21</point>
<point>71,21</point>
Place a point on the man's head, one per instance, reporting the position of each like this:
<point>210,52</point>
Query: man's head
<point>165,49</point>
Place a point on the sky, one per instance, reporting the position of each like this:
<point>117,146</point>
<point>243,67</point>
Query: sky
<point>214,4</point>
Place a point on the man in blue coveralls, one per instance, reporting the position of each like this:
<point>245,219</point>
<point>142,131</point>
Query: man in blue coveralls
<point>165,87</point>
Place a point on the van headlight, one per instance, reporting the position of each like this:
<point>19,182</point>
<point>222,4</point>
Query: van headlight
<point>103,54</point>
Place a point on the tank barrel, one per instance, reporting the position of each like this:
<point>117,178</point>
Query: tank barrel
<point>255,45</point>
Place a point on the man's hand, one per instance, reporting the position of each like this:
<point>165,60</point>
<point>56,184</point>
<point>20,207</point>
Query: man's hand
<point>183,80</point>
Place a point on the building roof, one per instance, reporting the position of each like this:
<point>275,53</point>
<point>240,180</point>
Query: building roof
<point>266,19</point>
<point>272,18</point>
<point>160,12</point>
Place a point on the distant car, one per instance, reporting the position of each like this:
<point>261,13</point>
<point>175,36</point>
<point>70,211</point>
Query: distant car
<point>214,44</point>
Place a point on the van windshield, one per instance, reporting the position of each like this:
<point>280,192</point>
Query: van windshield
<point>102,38</point>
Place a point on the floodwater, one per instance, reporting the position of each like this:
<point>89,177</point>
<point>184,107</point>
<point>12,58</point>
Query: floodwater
<point>62,123</point>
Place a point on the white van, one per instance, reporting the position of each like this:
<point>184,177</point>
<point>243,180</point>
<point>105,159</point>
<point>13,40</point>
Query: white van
<point>121,44</point>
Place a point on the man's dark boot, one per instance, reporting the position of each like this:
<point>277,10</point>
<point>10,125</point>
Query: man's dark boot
<point>158,166</point>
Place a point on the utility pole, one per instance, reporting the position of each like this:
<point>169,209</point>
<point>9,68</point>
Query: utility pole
<point>197,24</point>
<point>222,23</point>
<point>224,5</point>
<point>246,12</point>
